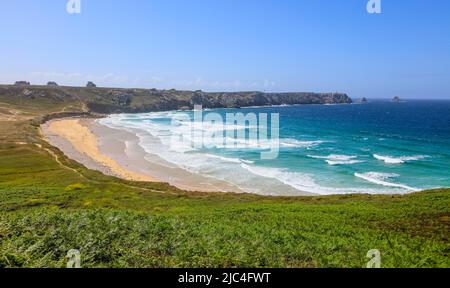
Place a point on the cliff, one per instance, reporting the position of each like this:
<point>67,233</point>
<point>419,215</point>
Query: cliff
<point>115,100</point>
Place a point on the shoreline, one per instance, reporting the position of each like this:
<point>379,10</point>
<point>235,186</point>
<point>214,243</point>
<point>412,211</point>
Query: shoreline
<point>74,137</point>
<point>117,153</point>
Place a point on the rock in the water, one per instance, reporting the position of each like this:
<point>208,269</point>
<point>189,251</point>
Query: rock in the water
<point>52,83</point>
<point>396,99</point>
<point>22,83</point>
<point>363,100</point>
<point>91,85</point>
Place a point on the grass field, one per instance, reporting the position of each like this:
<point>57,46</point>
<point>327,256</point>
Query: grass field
<point>50,204</point>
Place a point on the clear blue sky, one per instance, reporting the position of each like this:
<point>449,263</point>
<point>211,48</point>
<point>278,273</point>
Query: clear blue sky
<point>229,45</point>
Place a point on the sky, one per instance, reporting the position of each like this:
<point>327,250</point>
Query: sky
<point>232,45</point>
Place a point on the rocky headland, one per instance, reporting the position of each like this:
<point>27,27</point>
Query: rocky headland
<point>117,100</point>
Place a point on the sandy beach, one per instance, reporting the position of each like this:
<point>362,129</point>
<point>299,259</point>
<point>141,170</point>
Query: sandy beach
<point>78,134</point>
<point>117,153</point>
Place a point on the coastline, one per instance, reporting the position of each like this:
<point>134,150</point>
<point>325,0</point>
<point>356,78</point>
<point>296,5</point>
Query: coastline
<point>117,153</point>
<point>140,148</point>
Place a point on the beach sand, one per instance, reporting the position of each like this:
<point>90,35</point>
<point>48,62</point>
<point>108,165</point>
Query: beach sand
<point>77,133</point>
<point>117,153</point>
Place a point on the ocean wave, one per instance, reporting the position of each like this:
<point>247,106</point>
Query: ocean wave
<point>335,159</point>
<point>380,179</point>
<point>211,135</point>
<point>294,143</point>
<point>229,159</point>
<point>160,136</point>
<point>257,144</point>
<point>211,126</point>
<point>346,162</point>
<point>399,160</point>
<point>306,182</point>
<point>298,181</point>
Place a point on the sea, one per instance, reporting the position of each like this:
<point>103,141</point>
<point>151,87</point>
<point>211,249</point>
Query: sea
<point>379,147</point>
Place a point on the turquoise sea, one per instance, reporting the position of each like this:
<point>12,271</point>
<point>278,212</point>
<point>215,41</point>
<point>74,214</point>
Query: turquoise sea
<point>378,147</point>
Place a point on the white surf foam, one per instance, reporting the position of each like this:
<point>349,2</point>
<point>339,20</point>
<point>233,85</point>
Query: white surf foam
<point>229,159</point>
<point>398,160</point>
<point>296,180</point>
<point>181,133</point>
<point>156,136</point>
<point>380,179</point>
<point>343,162</point>
<point>335,159</point>
<point>306,183</point>
<point>294,143</point>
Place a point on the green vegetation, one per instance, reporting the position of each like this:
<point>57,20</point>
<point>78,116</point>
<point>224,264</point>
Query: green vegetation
<point>50,204</point>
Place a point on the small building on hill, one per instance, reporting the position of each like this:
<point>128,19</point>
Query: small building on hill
<point>91,85</point>
<point>22,83</point>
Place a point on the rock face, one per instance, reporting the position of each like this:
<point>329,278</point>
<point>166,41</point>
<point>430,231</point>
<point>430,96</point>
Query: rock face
<point>109,100</point>
<point>120,98</point>
<point>51,83</point>
<point>22,83</point>
<point>139,101</point>
<point>91,85</point>
<point>246,99</point>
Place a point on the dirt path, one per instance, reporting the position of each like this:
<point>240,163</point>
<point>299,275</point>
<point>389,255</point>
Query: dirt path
<point>56,158</point>
<point>11,114</point>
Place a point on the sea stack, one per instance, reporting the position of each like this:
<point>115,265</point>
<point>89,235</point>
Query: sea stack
<point>22,83</point>
<point>396,99</point>
<point>91,85</point>
<point>363,100</point>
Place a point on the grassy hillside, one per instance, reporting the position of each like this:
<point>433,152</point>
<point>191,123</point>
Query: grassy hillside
<point>50,204</point>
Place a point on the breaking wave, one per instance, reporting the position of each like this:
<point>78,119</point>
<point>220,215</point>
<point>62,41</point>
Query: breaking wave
<point>381,179</point>
<point>335,159</point>
<point>169,136</point>
<point>399,160</point>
